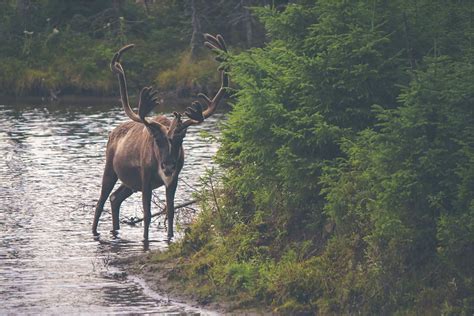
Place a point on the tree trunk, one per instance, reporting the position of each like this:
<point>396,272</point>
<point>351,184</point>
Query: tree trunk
<point>117,5</point>
<point>196,35</point>
<point>248,23</point>
<point>22,11</point>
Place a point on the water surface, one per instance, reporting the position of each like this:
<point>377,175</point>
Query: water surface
<point>52,159</point>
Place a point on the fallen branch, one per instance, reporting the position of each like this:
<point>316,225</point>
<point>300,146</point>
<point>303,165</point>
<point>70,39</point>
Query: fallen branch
<point>135,220</point>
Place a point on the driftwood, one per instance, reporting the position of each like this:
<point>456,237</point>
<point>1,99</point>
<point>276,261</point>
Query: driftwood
<point>136,220</point>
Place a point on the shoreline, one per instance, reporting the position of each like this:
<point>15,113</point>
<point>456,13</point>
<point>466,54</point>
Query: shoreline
<point>68,99</point>
<point>78,99</point>
<point>157,277</point>
<point>169,102</point>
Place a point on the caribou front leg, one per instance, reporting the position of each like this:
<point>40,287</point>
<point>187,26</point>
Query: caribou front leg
<point>146,200</point>
<point>170,192</point>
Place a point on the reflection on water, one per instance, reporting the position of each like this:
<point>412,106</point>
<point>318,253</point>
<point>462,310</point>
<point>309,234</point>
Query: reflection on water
<point>51,165</point>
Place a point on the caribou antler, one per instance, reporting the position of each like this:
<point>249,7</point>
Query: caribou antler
<point>148,101</point>
<point>148,97</point>
<point>195,111</point>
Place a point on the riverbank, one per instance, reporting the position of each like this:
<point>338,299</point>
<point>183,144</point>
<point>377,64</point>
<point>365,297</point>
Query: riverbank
<point>169,101</point>
<point>159,271</point>
<point>67,99</point>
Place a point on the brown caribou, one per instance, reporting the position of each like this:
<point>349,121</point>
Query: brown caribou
<point>146,153</point>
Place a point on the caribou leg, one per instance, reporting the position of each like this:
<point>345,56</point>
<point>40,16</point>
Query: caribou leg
<point>170,191</point>
<point>108,181</point>
<point>146,200</point>
<point>116,199</point>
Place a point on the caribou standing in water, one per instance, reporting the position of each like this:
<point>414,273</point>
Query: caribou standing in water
<point>146,153</point>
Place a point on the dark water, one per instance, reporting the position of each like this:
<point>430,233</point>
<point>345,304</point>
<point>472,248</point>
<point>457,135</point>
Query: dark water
<point>52,158</point>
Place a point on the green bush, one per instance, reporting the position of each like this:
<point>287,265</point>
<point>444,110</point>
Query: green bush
<point>347,156</point>
<point>404,189</point>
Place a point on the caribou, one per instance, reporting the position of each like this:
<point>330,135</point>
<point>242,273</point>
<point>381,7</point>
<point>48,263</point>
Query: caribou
<point>146,153</point>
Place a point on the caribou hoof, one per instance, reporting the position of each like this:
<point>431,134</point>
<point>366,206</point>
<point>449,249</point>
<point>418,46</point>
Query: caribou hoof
<point>146,245</point>
<point>96,235</point>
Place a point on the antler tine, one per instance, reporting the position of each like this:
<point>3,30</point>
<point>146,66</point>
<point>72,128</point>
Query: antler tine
<point>116,59</point>
<point>148,101</point>
<point>176,124</point>
<point>205,98</point>
<point>217,42</point>
<point>222,43</point>
<point>194,112</point>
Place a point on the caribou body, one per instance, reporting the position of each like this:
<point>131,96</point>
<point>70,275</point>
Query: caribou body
<point>146,153</point>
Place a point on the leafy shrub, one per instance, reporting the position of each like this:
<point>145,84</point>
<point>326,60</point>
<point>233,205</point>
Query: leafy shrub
<point>347,159</point>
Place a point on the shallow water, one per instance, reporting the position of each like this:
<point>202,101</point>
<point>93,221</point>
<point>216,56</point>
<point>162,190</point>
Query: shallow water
<point>52,158</point>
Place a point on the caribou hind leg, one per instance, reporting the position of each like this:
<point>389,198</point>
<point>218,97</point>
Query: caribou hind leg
<point>116,199</point>
<point>108,181</point>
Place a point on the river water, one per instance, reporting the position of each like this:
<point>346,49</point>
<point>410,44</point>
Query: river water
<point>52,159</point>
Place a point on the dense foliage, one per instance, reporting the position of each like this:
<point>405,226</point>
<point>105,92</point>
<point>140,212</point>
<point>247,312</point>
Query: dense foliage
<point>348,164</point>
<point>51,45</point>
<point>67,45</point>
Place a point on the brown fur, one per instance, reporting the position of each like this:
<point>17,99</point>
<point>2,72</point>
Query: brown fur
<point>148,153</point>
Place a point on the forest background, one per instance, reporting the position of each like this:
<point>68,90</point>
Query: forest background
<point>347,156</point>
<point>52,45</point>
